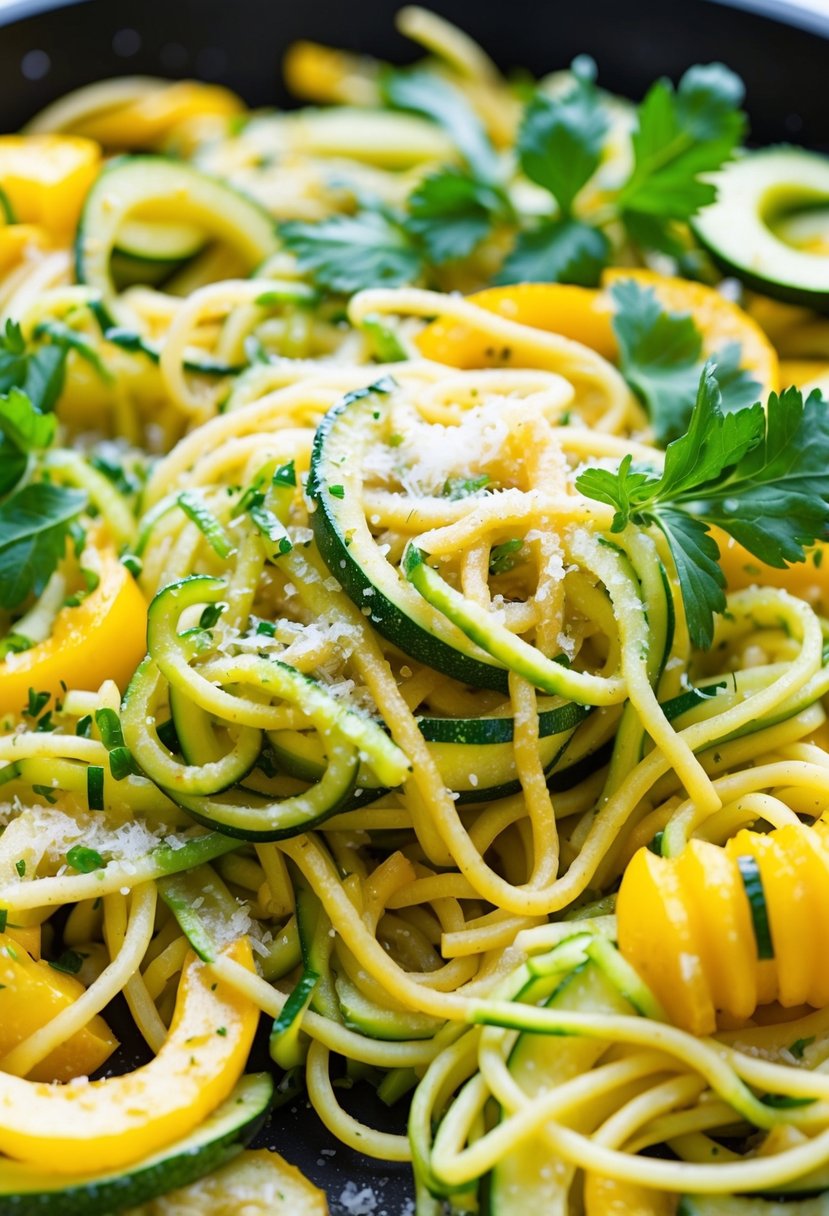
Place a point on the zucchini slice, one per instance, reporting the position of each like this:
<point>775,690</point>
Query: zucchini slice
<point>529,1180</point>
<point>159,242</point>
<point>752,1205</point>
<point>349,550</point>
<point>746,229</point>
<point>170,191</point>
<point>27,1191</point>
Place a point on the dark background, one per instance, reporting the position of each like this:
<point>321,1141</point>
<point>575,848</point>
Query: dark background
<point>44,54</point>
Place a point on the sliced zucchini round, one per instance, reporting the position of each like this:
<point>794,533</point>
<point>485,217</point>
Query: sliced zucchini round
<point>174,193</point>
<point>155,241</point>
<point>27,1191</point>
<point>750,230</point>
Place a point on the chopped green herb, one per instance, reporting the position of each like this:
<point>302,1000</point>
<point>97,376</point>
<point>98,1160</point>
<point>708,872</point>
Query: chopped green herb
<point>336,491</point>
<point>20,866</point>
<point>464,487</point>
<point>69,962</point>
<point>121,763</point>
<point>37,703</point>
<point>210,615</point>
<point>502,558</point>
<point>14,643</point>
<point>84,860</point>
<point>285,475</point>
<point>47,792</point>
<point>83,726</point>
<point>109,726</point>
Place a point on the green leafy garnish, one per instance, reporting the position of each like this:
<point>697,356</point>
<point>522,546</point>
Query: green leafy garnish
<point>34,525</point>
<point>561,140</point>
<point>762,477</point>
<point>682,135</point>
<point>23,425</point>
<point>464,487</point>
<point>347,253</point>
<point>451,213</point>
<point>503,557</point>
<point>557,251</point>
<point>37,370</point>
<point>422,92</point>
<point>660,356</point>
<point>84,860</point>
<point>69,962</point>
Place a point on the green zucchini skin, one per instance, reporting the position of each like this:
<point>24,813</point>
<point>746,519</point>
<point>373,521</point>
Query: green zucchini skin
<point>523,1184</point>
<point>132,181</point>
<point>26,1191</point>
<point>752,1205</point>
<point>736,233</point>
<point>336,459</point>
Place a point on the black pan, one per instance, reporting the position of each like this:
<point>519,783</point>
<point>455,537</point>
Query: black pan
<point>45,51</point>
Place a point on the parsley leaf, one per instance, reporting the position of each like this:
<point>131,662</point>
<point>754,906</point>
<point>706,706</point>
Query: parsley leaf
<point>761,476</point>
<point>660,355</point>
<point>557,251</point>
<point>561,139</point>
<point>681,135</point>
<point>39,372</point>
<point>23,425</point>
<point>347,253</point>
<point>65,338</point>
<point>34,525</point>
<point>451,213</point>
<point>423,92</point>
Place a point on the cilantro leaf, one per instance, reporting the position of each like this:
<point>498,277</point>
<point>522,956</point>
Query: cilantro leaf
<point>557,251</point>
<point>451,213</point>
<point>660,356</point>
<point>761,476</point>
<point>34,525</point>
<point>423,92</point>
<point>680,136</point>
<point>347,253</point>
<point>561,139</point>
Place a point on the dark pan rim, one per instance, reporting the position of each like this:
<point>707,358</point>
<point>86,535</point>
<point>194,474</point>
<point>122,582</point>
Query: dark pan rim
<point>781,11</point>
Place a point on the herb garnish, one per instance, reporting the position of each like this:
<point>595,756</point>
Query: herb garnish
<point>761,476</point>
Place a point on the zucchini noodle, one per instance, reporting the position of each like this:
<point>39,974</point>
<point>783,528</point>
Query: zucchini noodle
<point>343,704</point>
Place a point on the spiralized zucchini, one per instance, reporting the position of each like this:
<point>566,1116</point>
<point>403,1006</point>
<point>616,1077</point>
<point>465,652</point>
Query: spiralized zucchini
<point>337,664</point>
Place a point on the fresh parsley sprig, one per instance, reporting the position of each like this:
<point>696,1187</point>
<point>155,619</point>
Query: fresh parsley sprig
<point>447,215</point>
<point>762,476</point>
<point>660,356</point>
<point>680,135</point>
<point>35,518</point>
